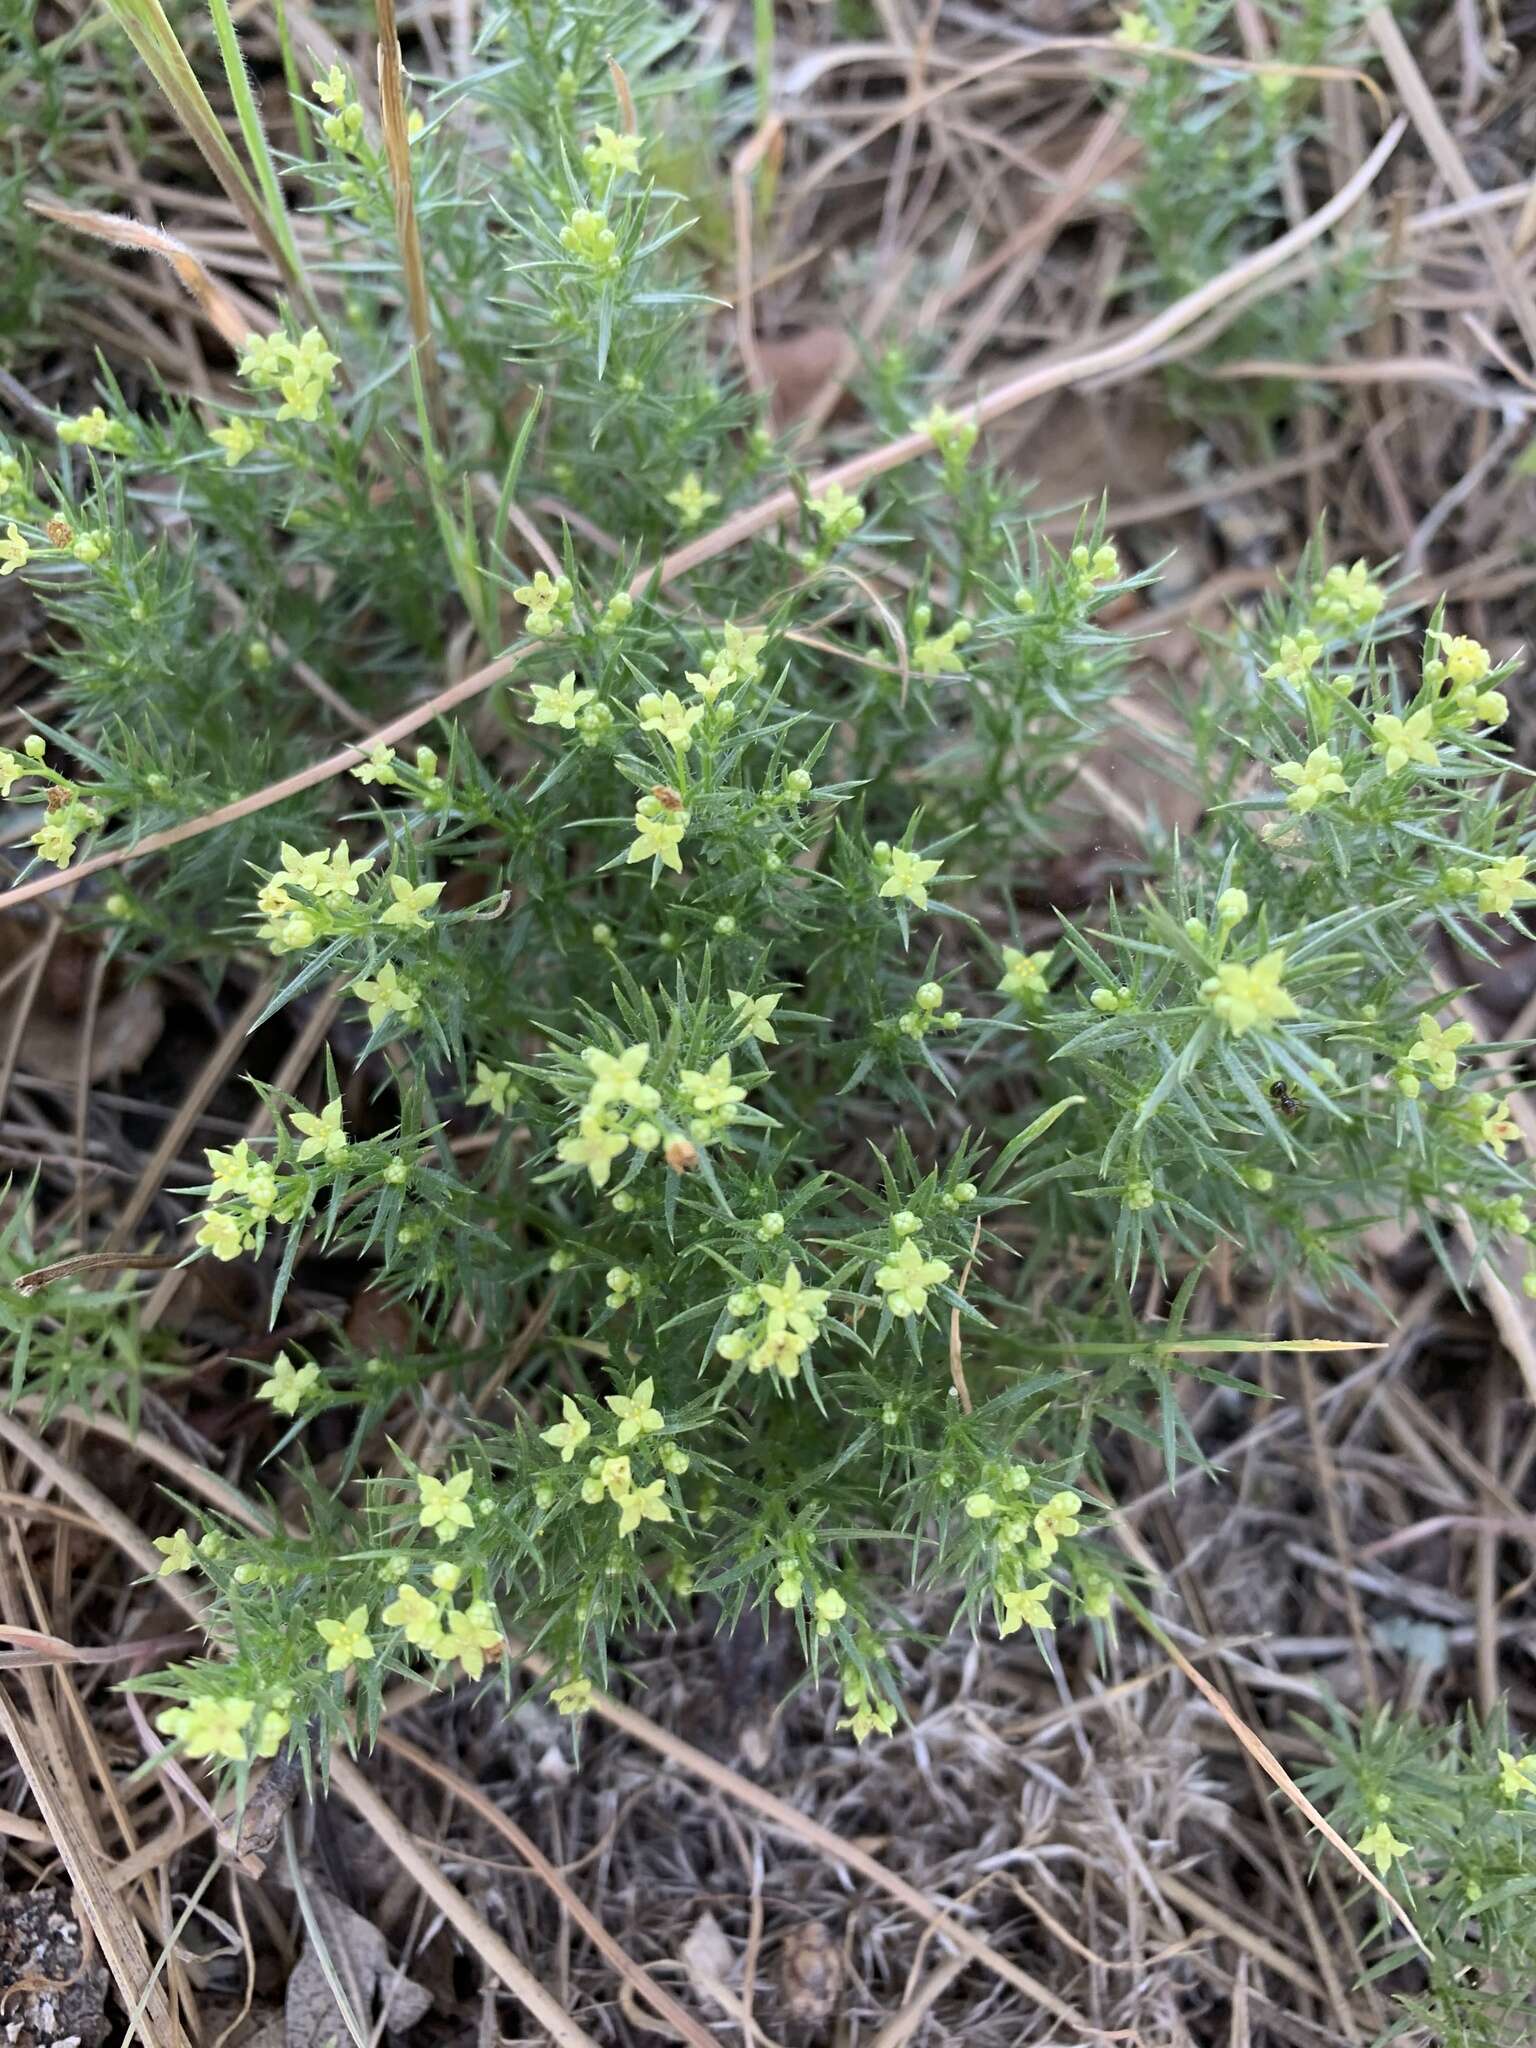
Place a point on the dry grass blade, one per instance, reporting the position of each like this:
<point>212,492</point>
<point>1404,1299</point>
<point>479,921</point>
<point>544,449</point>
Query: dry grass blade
<point>779,1814</point>
<point>633,1973</point>
<point>1276,1772</point>
<point>229,313</point>
<point>469,1925</point>
<point>397,151</point>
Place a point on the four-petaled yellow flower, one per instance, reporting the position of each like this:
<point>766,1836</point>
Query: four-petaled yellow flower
<point>468,1632</point>
<point>690,500</point>
<point>754,1015</point>
<point>412,1612</point>
<point>568,1436</point>
<point>443,1506</point>
<point>613,153</point>
<point>906,1279</point>
<point>379,767</point>
<point>1311,780</point>
<point>1502,885</point>
<point>1496,1127</point>
<point>670,716</point>
<point>387,995</point>
<point>619,1077</point>
<point>209,1727</point>
<point>637,1413</point>
<point>1024,974</point>
<point>14,551</point>
<point>221,1234</point>
<point>712,1091</point>
<point>1400,741</point>
<point>658,833</point>
<point>324,1137</point>
<point>1028,1606</point>
<point>495,1087</point>
<point>348,1639</point>
<point>558,703</point>
<point>1246,997</point>
<point>908,876</point>
<point>593,1146</point>
<point>1436,1048</point>
<point>1057,1521</point>
<point>836,513</point>
<point>1383,1847</point>
<point>412,901</point>
<point>178,1553</point>
<point>288,1386</point>
<point>642,1504</point>
<point>1464,659</point>
<point>1517,1776</point>
<point>240,438</point>
<point>574,1697</point>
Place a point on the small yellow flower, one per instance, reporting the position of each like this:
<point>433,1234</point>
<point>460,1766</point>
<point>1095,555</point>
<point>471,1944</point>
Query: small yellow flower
<point>443,1505</point>
<point>567,1437</point>
<point>333,89</point>
<point>468,1633</point>
<point>1517,1776</point>
<point>1311,780</point>
<point>690,500</point>
<point>558,703</point>
<point>1024,974</point>
<point>221,1234</point>
<point>14,552</point>
<point>1299,654</point>
<point>1028,1607</point>
<point>594,1146</point>
<point>837,514</point>
<point>907,876</point>
<point>1401,741</point>
<point>574,1697</point>
<point>658,834</point>
<point>1464,659</point>
<point>642,1504</point>
<point>324,1137</point>
<point>670,716</point>
<point>94,430</point>
<point>1135,31</point>
<point>637,1413</point>
<point>387,995</point>
<point>1347,598</point>
<point>412,901</point>
<point>178,1554</point>
<point>906,1280</point>
<point>379,767</point>
<point>348,1640</point>
<point>1245,997</point>
<point>616,154</point>
<point>1502,885</point>
<point>495,1087</point>
<point>1383,1847</point>
<point>1057,1521</point>
<point>754,1015</point>
<point>417,1616</point>
<point>240,438</point>
<point>1436,1048</point>
<point>209,1727</point>
<point>711,1092</point>
<point>289,1387</point>
<point>1496,1127</point>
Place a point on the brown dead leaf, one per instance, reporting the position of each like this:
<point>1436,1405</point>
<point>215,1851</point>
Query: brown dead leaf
<point>797,365</point>
<point>128,1027</point>
<point>810,1974</point>
<point>359,1958</point>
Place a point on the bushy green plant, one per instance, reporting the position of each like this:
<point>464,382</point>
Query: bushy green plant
<point>772,1177</point>
<point>1449,1817</point>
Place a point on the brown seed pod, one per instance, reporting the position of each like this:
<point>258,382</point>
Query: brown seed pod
<point>681,1154</point>
<point>666,796</point>
<point>60,533</point>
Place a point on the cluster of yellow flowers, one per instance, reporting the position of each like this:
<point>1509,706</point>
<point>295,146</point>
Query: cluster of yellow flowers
<point>302,372</point>
<point>778,1322</point>
<point>329,882</point>
<point>246,1194</point>
<point>66,812</point>
<point>1027,1542</point>
<point>227,1727</point>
